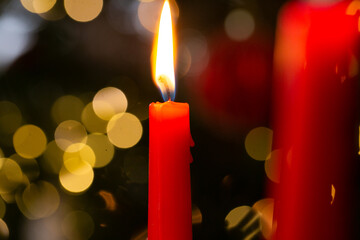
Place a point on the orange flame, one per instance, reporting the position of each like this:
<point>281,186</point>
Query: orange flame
<point>163,55</point>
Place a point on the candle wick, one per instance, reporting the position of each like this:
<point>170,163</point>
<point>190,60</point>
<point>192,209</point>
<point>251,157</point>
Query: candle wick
<point>164,81</point>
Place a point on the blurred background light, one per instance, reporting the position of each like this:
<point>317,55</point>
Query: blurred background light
<point>2,208</point>
<point>52,159</point>
<point>272,166</point>
<point>102,148</point>
<point>91,121</point>
<point>76,153</point>
<point>124,130</point>
<point>236,215</point>
<point>78,225</point>
<point>10,117</point>
<point>265,208</point>
<point>67,108</point>
<point>4,230</point>
<point>29,166</point>
<point>11,175</point>
<point>109,101</point>
<point>83,11</point>
<point>38,6</point>
<point>239,25</point>
<point>38,200</point>
<point>70,132</point>
<point>29,141</point>
<point>80,180</point>
<point>196,215</point>
<point>258,143</point>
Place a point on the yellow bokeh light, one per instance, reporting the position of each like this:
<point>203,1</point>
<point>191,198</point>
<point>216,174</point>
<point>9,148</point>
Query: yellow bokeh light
<point>68,133</point>
<point>265,209</point>
<point>2,208</point>
<point>272,166</point>
<point>333,191</point>
<point>149,13</point>
<point>102,147</point>
<point>109,101</point>
<point>4,230</point>
<point>239,25</point>
<point>196,215</point>
<point>38,200</point>
<point>77,183</point>
<point>11,175</point>
<point>29,166</point>
<point>38,6</point>
<point>52,158</point>
<point>75,154</point>
<point>29,141</point>
<point>235,216</point>
<point>67,108</point>
<point>10,117</point>
<point>83,11</point>
<point>258,143</point>
<point>91,121</point>
<point>124,130</point>
<point>78,225</point>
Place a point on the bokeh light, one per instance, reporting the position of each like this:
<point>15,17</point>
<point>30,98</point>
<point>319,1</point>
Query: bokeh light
<point>83,11</point>
<point>29,141</point>
<point>149,13</point>
<point>70,132</point>
<point>272,166</point>
<point>333,191</point>
<point>2,208</point>
<point>38,6</point>
<point>136,165</point>
<point>11,175</point>
<point>196,215</point>
<point>38,200</point>
<point>91,121</point>
<point>29,166</point>
<point>109,101</point>
<point>67,108</point>
<point>52,159</point>
<point>75,154</point>
<point>258,143</point>
<point>124,130</point>
<point>4,230</point>
<point>265,209</point>
<point>78,225</point>
<point>102,148</point>
<point>10,117</point>
<point>235,216</point>
<point>239,25</point>
<point>109,199</point>
<point>80,180</point>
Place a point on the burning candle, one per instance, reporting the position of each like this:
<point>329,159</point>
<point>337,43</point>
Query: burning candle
<point>169,212</point>
<point>316,122</point>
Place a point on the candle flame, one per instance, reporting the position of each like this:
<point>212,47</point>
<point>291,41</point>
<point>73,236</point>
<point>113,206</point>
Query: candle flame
<point>163,55</point>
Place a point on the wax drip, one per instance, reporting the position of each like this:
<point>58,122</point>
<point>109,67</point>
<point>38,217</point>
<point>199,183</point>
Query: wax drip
<point>164,81</point>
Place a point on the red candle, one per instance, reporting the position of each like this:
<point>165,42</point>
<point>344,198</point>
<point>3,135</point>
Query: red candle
<point>316,124</point>
<point>169,209</point>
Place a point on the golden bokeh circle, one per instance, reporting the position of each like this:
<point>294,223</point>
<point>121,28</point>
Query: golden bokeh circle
<point>10,117</point>
<point>91,121</point>
<point>235,216</point>
<point>258,143</point>
<point>102,147</point>
<point>2,208</point>
<point>109,101</point>
<point>67,108</point>
<point>265,209</point>
<point>74,154</point>
<point>29,141</point>
<point>38,200</point>
<point>68,133</point>
<point>124,130</point>
<point>11,175</point>
<point>83,11</point>
<point>79,182</point>
<point>38,6</point>
<point>4,230</point>
<point>29,166</point>
<point>52,158</point>
<point>78,225</point>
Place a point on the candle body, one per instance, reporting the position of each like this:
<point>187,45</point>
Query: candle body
<point>316,123</point>
<point>169,212</point>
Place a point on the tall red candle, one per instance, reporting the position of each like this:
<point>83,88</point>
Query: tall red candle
<point>316,121</point>
<point>169,208</point>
